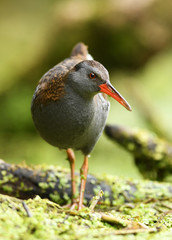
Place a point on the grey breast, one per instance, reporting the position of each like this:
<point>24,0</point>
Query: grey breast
<point>72,121</point>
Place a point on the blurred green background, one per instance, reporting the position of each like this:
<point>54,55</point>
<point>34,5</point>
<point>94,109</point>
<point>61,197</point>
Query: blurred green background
<point>131,38</point>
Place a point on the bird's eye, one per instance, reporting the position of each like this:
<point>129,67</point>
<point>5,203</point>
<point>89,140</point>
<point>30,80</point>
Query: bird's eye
<point>92,75</point>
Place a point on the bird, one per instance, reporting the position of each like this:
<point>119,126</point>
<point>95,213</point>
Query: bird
<point>70,107</point>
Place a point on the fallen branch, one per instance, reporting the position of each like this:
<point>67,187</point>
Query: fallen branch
<point>54,183</point>
<point>152,155</point>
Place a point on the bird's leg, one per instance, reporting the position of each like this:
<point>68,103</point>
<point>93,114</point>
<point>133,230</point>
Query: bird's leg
<point>71,158</point>
<point>83,175</point>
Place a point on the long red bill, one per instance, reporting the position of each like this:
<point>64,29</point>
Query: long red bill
<point>111,91</point>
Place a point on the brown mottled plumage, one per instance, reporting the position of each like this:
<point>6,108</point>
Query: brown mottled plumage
<point>51,85</point>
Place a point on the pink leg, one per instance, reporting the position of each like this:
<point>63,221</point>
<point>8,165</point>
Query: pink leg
<point>83,175</point>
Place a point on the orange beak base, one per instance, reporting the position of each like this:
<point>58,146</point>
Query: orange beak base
<point>111,91</point>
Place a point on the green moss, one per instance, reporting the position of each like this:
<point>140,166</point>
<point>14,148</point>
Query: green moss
<point>96,190</point>
<point>106,194</point>
<point>167,220</point>
<point>8,178</point>
<point>107,201</point>
<point>66,197</point>
<point>3,172</point>
<point>93,181</point>
<point>51,222</point>
<point>63,182</point>
<point>51,184</point>
<point>7,188</point>
<point>131,146</point>
<point>56,197</point>
<point>24,187</point>
<point>43,185</point>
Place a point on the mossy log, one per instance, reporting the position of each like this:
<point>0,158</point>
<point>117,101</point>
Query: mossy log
<point>54,183</point>
<point>139,209</point>
<point>152,155</point>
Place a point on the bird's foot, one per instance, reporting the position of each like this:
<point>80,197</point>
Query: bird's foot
<point>74,205</point>
<point>70,206</point>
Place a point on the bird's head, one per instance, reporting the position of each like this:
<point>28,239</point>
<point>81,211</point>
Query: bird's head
<point>90,77</point>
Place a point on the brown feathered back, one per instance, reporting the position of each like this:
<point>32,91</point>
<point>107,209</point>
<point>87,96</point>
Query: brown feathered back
<point>51,85</point>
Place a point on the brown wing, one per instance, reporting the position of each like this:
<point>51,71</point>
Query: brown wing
<point>51,85</point>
